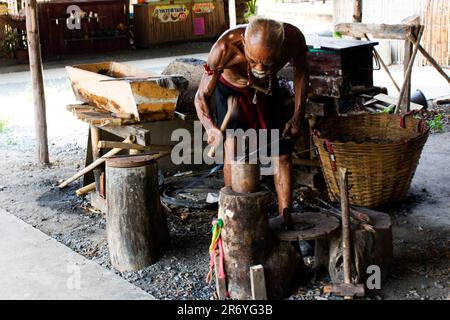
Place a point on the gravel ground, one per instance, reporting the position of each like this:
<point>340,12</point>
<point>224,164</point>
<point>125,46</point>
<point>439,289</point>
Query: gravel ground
<point>29,191</point>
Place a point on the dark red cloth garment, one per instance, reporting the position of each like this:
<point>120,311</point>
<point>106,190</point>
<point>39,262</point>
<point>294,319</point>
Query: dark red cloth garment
<point>254,115</point>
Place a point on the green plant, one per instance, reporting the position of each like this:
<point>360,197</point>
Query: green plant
<point>389,109</point>
<point>251,10</point>
<point>436,123</point>
<point>3,124</point>
<point>14,40</point>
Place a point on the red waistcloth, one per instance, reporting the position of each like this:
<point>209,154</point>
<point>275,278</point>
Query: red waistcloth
<point>251,114</point>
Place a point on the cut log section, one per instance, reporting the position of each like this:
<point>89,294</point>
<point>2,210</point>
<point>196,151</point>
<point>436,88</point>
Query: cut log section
<point>135,224</point>
<point>369,248</point>
<point>248,241</point>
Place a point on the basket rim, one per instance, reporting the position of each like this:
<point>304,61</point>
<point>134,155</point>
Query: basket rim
<point>420,135</point>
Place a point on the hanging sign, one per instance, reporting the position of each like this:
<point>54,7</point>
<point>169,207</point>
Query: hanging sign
<point>171,13</point>
<point>203,7</point>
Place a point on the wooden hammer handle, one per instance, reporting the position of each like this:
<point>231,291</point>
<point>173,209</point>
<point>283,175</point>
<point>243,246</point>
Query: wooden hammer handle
<point>232,106</point>
<point>345,209</point>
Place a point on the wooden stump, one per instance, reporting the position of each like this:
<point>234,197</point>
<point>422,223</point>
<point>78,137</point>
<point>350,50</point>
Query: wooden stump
<point>248,241</point>
<point>368,248</point>
<point>135,225</point>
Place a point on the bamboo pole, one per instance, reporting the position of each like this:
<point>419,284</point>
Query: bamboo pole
<point>377,55</point>
<point>86,189</point>
<point>434,63</point>
<point>94,164</point>
<point>34,52</point>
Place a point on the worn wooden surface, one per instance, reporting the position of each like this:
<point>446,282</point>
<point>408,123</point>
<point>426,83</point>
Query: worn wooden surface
<point>248,241</point>
<point>306,226</point>
<point>34,53</point>
<point>379,31</point>
<point>135,224</point>
<point>139,94</point>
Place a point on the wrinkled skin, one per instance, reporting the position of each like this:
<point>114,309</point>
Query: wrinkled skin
<point>233,54</point>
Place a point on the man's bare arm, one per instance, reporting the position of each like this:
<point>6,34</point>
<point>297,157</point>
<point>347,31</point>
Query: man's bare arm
<point>207,85</point>
<point>301,80</point>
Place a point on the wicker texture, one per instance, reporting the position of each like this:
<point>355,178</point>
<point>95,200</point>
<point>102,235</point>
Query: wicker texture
<point>380,155</point>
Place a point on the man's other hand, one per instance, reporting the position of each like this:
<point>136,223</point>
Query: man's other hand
<point>292,129</point>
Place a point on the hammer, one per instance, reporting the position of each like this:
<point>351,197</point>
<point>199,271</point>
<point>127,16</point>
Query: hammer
<point>232,103</point>
<point>347,289</point>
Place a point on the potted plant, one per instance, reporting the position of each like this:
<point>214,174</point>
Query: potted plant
<point>9,42</point>
<point>21,51</point>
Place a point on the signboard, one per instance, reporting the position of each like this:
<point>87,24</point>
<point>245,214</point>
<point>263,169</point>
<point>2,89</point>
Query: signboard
<point>203,7</point>
<point>199,26</point>
<point>171,13</point>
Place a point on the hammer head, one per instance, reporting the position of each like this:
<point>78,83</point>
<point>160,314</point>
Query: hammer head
<point>346,290</point>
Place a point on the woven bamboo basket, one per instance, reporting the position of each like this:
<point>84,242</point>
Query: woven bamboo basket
<point>380,151</point>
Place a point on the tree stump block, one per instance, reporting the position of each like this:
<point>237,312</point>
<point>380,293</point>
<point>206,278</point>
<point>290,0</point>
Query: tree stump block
<point>368,248</point>
<point>248,241</point>
<point>135,224</point>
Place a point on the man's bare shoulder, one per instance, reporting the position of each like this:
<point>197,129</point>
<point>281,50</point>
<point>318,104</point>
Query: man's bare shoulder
<point>294,37</point>
<point>225,47</point>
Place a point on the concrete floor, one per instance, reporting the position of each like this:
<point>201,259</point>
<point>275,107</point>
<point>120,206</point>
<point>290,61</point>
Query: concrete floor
<point>35,266</point>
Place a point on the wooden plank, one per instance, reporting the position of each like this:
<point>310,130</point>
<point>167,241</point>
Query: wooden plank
<point>379,31</point>
<point>258,282</point>
<point>34,52</point>
<point>141,134</point>
<point>391,100</point>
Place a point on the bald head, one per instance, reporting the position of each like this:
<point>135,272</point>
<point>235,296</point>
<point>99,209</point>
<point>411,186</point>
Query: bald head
<point>265,32</point>
<point>263,40</point>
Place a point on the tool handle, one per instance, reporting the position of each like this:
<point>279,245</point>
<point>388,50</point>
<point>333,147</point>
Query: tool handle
<point>345,209</point>
<point>232,105</point>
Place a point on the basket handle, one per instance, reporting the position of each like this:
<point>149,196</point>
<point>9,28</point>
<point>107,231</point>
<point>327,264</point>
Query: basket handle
<point>422,127</point>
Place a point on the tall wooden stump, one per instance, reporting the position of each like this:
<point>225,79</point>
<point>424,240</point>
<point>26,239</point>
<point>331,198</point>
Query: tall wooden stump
<point>135,225</point>
<point>248,241</point>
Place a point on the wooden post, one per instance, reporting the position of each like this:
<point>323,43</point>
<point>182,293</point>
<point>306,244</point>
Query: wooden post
<point>232,12</point>
<point>414,21</point>
<point>357,11</point>
<point>407,82</point>
<point>34,52</point>
<point>136,228</point>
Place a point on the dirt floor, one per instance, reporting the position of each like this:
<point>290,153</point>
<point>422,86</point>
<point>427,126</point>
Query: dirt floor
<point>421,224</point>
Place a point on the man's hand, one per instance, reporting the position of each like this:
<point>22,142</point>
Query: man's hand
<point>214,136</point>
<point>292,129</point>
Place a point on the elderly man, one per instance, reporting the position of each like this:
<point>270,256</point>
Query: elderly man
<point>243,63</point>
